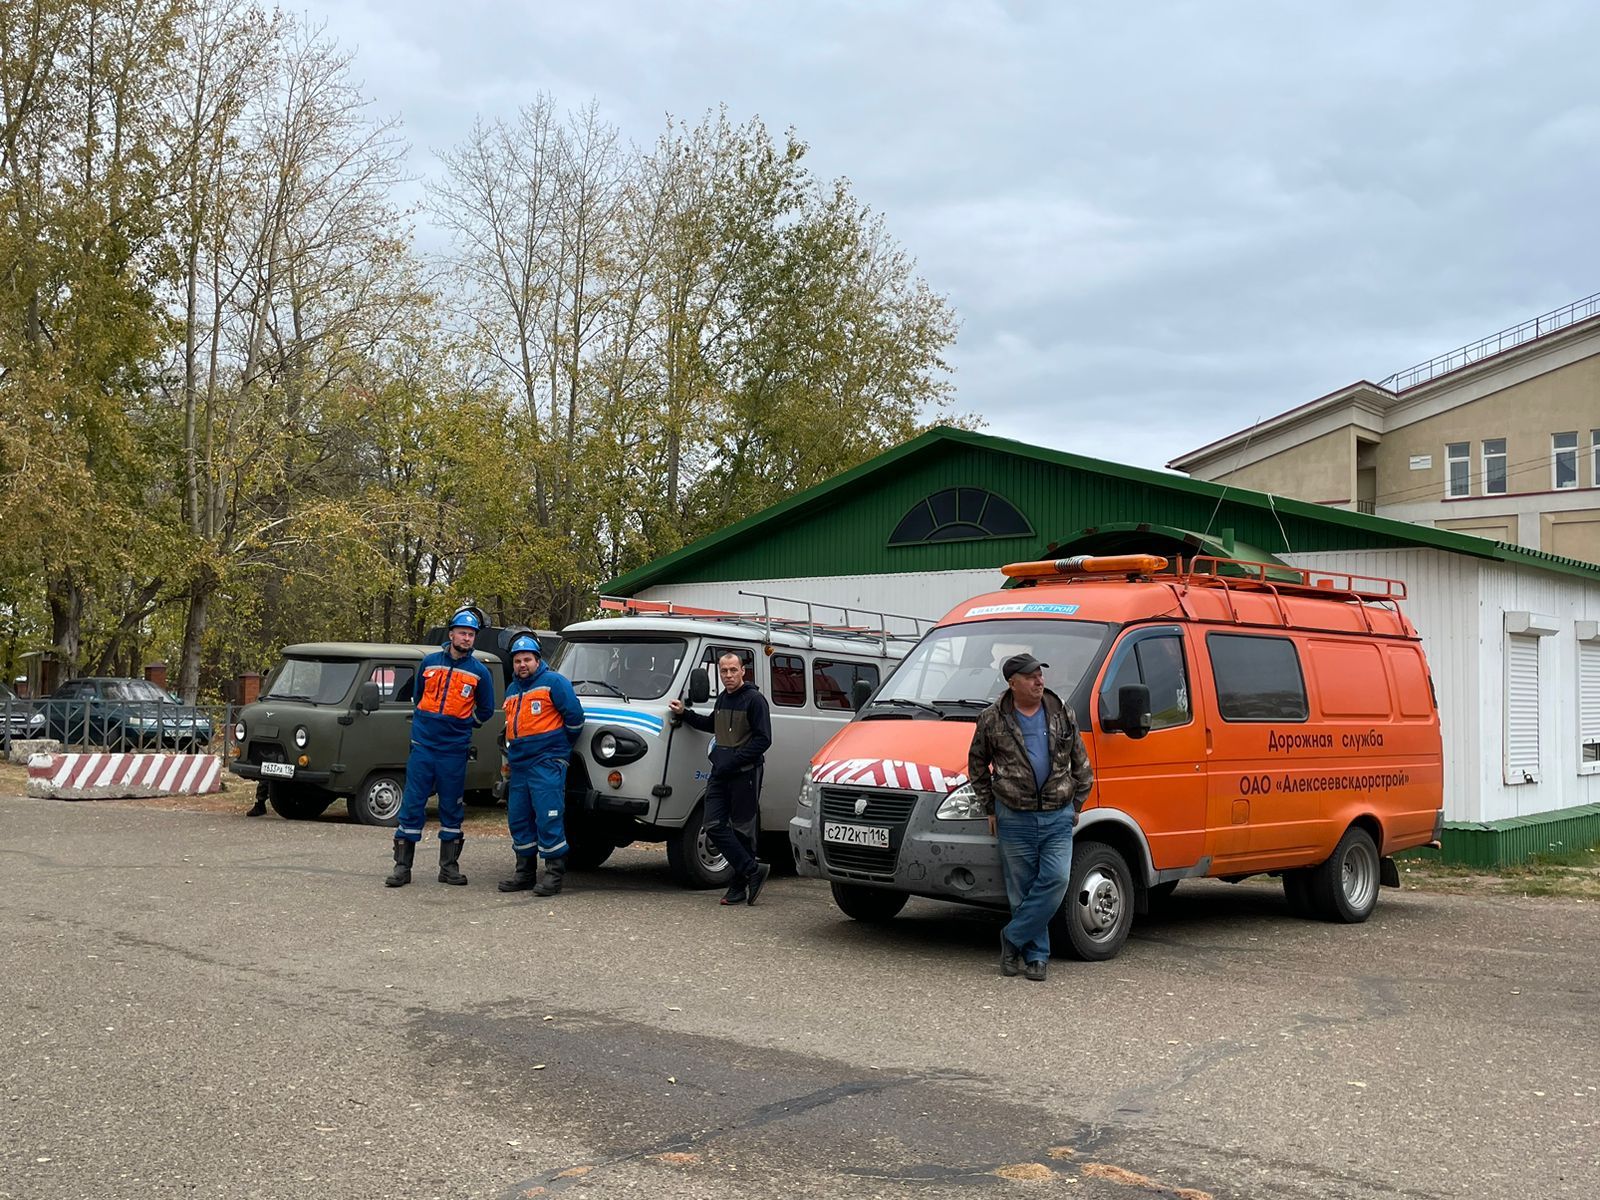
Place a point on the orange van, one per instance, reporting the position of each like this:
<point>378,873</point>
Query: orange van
<point>1242,718</point>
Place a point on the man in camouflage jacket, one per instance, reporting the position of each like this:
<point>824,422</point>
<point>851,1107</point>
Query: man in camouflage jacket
<point>1028,755</point>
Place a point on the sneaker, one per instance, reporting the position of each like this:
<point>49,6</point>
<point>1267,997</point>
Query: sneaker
<point>756,882</point>
<point>1010,958</point>
<point>1035,971</point>
<point>735,894</point>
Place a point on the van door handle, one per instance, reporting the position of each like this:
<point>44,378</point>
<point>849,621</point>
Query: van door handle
<point>1208,739</point>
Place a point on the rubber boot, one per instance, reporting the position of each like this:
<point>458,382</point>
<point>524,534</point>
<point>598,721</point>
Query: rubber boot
<point>404,853</point>
<point>260,810</point>
<point>555,870</point>
<point>449,863</point>
<point>524,876</point>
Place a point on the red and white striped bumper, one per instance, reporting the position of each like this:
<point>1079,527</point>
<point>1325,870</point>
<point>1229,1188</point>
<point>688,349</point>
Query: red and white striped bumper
<point>122,776</point>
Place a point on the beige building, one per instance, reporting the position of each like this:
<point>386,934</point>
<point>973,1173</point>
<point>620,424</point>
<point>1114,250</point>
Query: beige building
<point>1500,439</point>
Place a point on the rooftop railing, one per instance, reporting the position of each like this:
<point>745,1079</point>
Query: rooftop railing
<point>1495,343</point>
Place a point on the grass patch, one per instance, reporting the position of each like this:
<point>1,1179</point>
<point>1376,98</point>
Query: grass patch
<point>1570,872</point>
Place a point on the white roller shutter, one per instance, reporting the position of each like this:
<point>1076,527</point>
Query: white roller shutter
<point>1522,708</point>
<point>1589,706</point>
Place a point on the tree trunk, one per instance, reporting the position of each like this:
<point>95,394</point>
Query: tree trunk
<point>202,589</point>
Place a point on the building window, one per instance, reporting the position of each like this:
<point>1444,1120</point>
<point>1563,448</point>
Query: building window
<point>1589,703</point>
<point>1457,469</point>
<point>1594,457</point>
<point>960,515</point>
<point>1564,460</point>
<point>1494,466</point>
<point>1522,708</point>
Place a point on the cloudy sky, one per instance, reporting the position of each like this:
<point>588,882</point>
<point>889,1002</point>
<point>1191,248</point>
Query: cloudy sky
<point>1158,222</point>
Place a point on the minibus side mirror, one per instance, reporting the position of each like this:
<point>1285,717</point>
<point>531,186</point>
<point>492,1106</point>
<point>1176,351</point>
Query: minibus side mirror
<point>860,693</point>
<point>367,697</point>
<point>699,687</point>
<point>1133,709</point>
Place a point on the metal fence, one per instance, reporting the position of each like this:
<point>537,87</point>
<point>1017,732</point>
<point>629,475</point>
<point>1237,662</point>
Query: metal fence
<point>121,725</point>
<point>1495,343</point>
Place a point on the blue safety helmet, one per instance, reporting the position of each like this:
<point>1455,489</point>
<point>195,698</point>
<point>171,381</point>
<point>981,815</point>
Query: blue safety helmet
<point>526,642</point>
<point>466,619</point>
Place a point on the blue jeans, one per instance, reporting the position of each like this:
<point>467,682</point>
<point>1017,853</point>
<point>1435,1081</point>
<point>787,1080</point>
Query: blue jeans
<point>1036,855</point>
<point>536,805</point>
<point>429,771</point>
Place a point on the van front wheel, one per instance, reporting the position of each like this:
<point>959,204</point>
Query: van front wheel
<point>692,857</point>
<point>1345,888</point>
<point>1097,912</point>
<point>872,906</point>
<point>297,801</point>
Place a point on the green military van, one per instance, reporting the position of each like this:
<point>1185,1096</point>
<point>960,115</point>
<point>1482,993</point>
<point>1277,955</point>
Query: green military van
<point>334,720</point>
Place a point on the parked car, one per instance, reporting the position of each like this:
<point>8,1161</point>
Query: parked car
<point>119,714</point>
<point>14,715</point>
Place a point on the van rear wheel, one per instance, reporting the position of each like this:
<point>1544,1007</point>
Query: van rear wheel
<point>377,800</point>
<point>1345,888</point>
<point>872,906</point>
<point>1097,911</point>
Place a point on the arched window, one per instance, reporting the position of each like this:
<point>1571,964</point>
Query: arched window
<point>960,515</point>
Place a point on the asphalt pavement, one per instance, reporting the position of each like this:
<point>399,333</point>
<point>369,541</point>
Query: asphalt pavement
<point>201,1005</point>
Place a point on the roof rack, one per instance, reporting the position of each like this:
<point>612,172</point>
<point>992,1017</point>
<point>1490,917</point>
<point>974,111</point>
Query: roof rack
<point>1204,569</point>
<point>808,626</point>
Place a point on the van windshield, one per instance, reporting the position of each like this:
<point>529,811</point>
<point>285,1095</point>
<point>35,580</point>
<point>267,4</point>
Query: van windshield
<point>315,680</point>
<point>957,667</point>
<point>637,668</point>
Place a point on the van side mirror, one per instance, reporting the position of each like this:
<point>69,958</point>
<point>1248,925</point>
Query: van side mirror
<point>1133,709</point>
<point>367,697</point>
<point>860,693</point>
<point>699,687</point>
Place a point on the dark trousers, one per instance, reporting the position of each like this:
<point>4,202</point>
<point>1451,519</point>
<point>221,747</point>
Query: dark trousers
<point>733,808</point>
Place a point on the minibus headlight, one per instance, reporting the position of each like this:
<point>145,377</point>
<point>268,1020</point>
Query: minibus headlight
<point>238,732</point>
<point>961,805</point>
<point>617,747</point>
<point>810,791</point>
<point>301,737</point>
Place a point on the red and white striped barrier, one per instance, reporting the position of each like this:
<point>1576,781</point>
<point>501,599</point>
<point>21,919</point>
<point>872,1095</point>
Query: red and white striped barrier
<point>122,776</point>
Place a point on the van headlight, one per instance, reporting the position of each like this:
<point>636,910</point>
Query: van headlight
<point>961,805</point>
<point>810,791</point>
<point>238,732</point>
<point>616,747</point>
<point>301,737</point>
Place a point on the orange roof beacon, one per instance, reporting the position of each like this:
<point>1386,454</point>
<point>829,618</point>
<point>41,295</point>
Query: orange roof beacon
<point>1242,718</point>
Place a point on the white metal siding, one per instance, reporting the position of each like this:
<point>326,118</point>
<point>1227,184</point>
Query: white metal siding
<point>1522,709</point>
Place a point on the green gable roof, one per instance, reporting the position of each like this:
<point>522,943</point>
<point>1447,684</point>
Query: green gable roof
<point>842,526</point>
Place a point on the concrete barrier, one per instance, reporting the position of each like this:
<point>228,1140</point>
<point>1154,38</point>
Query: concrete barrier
<point>23,749</point>
<point>122,776</point>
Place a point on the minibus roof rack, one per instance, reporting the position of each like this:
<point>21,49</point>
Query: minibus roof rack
<point>808,626</point>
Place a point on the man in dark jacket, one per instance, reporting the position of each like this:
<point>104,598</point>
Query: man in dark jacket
<point>742,731</point>
<point>1028,755</point>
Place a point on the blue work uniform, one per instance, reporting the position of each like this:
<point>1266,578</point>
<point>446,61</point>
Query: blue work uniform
<point>543,721</point>
<point>454,697</point>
